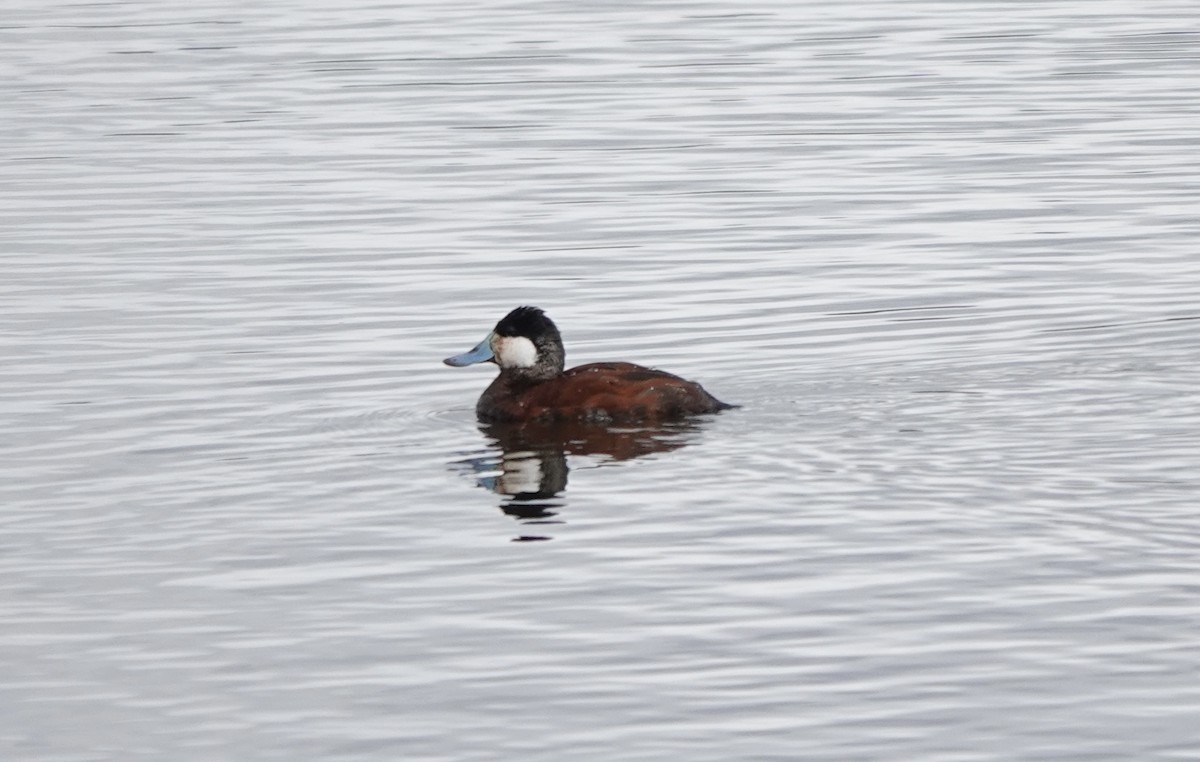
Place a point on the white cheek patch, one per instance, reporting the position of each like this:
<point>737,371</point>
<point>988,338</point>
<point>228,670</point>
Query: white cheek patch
<point>515,352</point>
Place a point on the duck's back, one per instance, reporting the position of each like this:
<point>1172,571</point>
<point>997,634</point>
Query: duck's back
<point>619,391</point>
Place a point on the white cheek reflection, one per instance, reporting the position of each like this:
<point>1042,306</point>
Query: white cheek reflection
<point>522,473</point>
<point>514,352</point>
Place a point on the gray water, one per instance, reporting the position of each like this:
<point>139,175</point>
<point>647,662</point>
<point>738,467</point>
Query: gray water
<point>944,254</point>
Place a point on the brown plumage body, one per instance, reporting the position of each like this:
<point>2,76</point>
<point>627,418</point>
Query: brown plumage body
<point>599,392</point>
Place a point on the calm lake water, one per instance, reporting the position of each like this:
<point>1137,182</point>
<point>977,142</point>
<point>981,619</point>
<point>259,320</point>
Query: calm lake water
<point>944,254</point>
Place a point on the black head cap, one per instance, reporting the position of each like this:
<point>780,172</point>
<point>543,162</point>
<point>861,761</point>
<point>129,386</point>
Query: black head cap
<point>529,322</point>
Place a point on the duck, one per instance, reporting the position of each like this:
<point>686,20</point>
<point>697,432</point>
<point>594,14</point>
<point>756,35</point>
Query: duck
<point>534,387</point>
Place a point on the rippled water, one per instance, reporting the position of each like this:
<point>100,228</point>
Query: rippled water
<point>942,253</point>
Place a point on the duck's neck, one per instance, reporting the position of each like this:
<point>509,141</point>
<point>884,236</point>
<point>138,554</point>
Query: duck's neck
<point>516,380</point>
<point>507,389</point>
<point>535,374</point>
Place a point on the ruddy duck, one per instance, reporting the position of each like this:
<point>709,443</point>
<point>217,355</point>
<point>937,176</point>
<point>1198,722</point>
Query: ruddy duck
<point>532,385</point>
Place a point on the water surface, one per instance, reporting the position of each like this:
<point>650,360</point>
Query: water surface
<point>942,254</point>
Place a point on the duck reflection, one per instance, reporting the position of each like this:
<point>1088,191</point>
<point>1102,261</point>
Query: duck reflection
<point>527,462</point>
